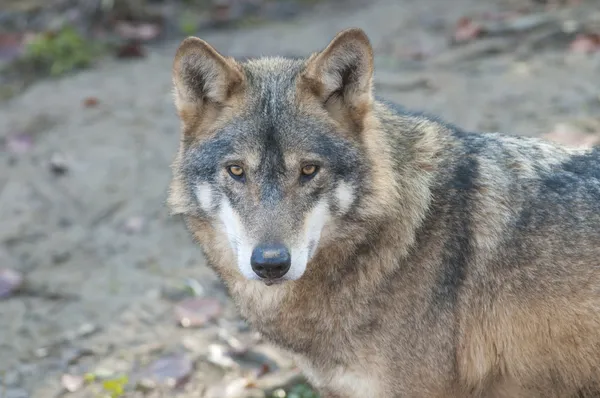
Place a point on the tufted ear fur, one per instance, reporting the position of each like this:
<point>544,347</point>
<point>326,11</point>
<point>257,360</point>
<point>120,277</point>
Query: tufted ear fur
<point>341,75</point>
<point>202,78</point>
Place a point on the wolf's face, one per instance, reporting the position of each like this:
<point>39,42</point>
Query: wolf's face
<point>270,149</point>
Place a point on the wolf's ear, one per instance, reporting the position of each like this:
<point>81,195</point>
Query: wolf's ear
<point>343,71</point>
<point>202,76</point>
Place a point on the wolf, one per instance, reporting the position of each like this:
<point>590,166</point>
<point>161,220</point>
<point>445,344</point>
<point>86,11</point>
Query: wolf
<point>392,253</point>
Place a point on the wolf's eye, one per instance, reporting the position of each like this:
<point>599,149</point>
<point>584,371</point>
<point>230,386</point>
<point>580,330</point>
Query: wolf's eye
<point>309,171</point>
<point>235,171</point>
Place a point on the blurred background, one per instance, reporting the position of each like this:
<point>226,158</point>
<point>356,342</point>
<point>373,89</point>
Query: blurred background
<point>102,293</point>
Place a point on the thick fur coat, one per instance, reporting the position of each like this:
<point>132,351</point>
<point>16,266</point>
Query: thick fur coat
<point>426,261</point>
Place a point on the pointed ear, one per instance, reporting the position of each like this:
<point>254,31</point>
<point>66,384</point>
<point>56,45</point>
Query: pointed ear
<point>202,77</point>
<point>343,71</point>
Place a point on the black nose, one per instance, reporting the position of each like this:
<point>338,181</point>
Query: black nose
<point>270,261</point>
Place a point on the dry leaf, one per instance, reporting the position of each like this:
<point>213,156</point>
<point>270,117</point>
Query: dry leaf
<point>90,102</point>
<point>197,311</point>
<point>172,370</point>
<point>466,29</point>
<point>585,43</point>
<point>132,49</point>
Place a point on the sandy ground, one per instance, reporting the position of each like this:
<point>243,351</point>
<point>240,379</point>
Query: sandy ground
<point>100,253</point>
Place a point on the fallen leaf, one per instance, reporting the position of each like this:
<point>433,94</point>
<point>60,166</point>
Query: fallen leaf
<point>72,383</point>
<point>10,282</point>
<point>132,49</point>
<point>197,311</point>
<point>570,135</point>
<point>19,143</point>
<point>585,43</point>
<point>262,370</point>
<point>466,30</point>
<point>90,102</point>
<point>11,46</point>
<point>172,370</point>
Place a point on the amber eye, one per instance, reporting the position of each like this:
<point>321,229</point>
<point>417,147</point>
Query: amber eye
<point>236,171</point>
<point>309,171</point>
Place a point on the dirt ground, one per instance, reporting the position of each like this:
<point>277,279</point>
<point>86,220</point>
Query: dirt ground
<point>103,260</point>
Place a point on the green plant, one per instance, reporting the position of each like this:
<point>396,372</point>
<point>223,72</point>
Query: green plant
<point>60,52</point>
<point>297,391</point>
<point>115,387</point>
<point>188,24</point>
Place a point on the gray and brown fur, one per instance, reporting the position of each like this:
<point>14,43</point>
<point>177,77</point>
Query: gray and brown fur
<point>459,265</point>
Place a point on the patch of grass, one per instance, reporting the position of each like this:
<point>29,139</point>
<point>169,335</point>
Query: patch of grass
<point>188,24</point>
<point>115,388</point>
<point>60,52</point>
<point>297,391</point>
<point>112,387</point>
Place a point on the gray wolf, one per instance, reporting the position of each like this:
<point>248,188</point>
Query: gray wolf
<point>394,254</point>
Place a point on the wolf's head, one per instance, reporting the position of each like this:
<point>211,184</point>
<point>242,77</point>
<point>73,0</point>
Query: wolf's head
<point>270,151</point>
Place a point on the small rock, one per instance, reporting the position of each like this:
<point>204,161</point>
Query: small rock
<point>72,355</point>
<point>72,383</point>
<point>58,164</point>
<point>41,352</point>
<point>236,388</point>
<point>145,385</point>
<point>220,356</point>
<point>85,330</point>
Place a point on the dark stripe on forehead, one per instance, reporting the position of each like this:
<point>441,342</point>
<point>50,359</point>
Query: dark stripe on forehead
<point>202,162</point>
<point>272,163</point>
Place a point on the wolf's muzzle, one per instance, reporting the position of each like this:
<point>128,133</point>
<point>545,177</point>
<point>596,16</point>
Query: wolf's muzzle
<point>270,261</point>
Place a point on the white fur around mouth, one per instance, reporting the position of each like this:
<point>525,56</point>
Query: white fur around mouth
<point>301,253</point>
